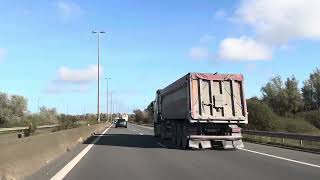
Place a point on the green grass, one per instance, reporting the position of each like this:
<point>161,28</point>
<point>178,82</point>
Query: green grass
<point>295,125</point>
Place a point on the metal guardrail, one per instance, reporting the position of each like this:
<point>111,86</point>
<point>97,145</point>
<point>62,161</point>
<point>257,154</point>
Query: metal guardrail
<point>22,128</point>
<point>283,136</point>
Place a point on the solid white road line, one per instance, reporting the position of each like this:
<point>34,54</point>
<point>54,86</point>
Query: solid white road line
<point>282,158</point>
<point>67,168</point>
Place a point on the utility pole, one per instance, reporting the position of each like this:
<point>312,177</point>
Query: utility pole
<point>111,107</point>
<point>98,104</point>
<point>67,112</point>
<point>115,115</point>
<point>84,113</point>
<point>107,78</point>
<point>38,104</point>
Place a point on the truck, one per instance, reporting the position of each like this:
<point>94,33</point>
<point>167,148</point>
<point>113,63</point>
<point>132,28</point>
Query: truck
<point>125,117</point>
<point>202,110</point>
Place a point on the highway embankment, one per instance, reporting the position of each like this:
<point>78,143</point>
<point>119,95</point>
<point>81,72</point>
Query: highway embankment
<point>21,158</point>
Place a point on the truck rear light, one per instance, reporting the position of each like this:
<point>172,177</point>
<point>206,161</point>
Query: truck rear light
<point>236,130</point>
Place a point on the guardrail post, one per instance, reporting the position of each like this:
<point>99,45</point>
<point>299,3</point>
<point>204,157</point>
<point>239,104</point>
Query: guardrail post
<point>281,136</point>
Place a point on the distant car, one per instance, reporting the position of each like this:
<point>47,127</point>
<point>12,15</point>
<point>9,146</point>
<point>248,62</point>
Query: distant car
<point>121,123</point>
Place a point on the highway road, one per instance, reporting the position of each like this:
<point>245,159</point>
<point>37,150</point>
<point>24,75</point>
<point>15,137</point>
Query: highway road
<point>134,153</point>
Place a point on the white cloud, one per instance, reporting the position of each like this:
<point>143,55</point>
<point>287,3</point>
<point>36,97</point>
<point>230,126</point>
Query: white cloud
<point>73,80</point>
<point>243,49</point>
<point>78,76</point>
<point>206,38</point>
<point>197,53</point>
<point>68,10</point>
<point>279,21</point>
<point>3,52</point>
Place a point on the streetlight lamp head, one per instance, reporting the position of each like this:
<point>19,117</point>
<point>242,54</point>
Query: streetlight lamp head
<point>102,32</point>
<point>94,32</point>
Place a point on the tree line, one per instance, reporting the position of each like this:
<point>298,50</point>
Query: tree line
<point>14,113</point>
<point>284,106</point>
<point>287,98</point>
<point>142,117</point>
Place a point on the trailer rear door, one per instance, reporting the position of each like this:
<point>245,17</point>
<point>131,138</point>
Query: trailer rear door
<point>218,97</point>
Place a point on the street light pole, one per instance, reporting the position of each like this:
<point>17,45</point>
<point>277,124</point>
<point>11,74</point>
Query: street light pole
<point>38,104</point>
<point>98,104</point>
<point>107,78</point>
<point>111,107</point>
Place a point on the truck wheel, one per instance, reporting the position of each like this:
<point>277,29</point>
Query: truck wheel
<point>178,136</point>
<point>156,130</point>
<point>162,132</point>
<point>184,138</point>
<point>174,134</point>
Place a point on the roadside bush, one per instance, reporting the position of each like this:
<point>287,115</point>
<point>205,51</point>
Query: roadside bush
<point>142,117</point>
<point>312,117</point>
<point>30,130</point>
<point>67,122</point>
<point>295,125</point>
<point>260,116</point>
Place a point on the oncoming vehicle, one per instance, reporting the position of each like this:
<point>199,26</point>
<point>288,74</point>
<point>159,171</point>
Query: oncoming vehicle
<point>121,123</point>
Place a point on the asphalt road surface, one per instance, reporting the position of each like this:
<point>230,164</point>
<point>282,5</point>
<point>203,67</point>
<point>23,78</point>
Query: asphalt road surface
<point>134,153</point>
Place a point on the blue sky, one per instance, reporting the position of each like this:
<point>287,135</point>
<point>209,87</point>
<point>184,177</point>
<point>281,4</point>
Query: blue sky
<point>47,50</point>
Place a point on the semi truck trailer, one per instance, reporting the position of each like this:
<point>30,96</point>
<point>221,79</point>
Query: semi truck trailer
<point>202,110</point>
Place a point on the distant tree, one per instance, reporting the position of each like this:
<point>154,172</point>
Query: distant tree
<point>48,115</point>
<point>138,115</point>
<point>254,98</point>
<point>309,101</point>
<point>273,94</point>
<point>150,111</point>
<point>142,116</point>
<point>311,91</point>
<point>18,105</point>
<point>4,108</point>
<point>283,98</point>
<point>12,108</point>
<point>292,99</point>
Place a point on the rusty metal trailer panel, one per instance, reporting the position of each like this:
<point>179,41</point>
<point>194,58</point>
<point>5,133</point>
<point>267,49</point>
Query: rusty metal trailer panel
<point>205,97</point>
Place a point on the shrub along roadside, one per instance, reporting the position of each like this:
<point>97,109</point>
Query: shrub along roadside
<point>261,117</point>
<point>312,117</point>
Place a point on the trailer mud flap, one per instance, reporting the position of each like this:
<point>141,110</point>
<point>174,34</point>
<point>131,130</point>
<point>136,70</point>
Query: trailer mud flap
<point>238,144</point>
<point>196,144</point>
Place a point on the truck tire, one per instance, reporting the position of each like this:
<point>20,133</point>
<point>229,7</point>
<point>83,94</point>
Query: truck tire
<point>184,137</point>
<point>174,134</point>
<point>156,130</point>
<point>162,132</point>
<point>178,136</point>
